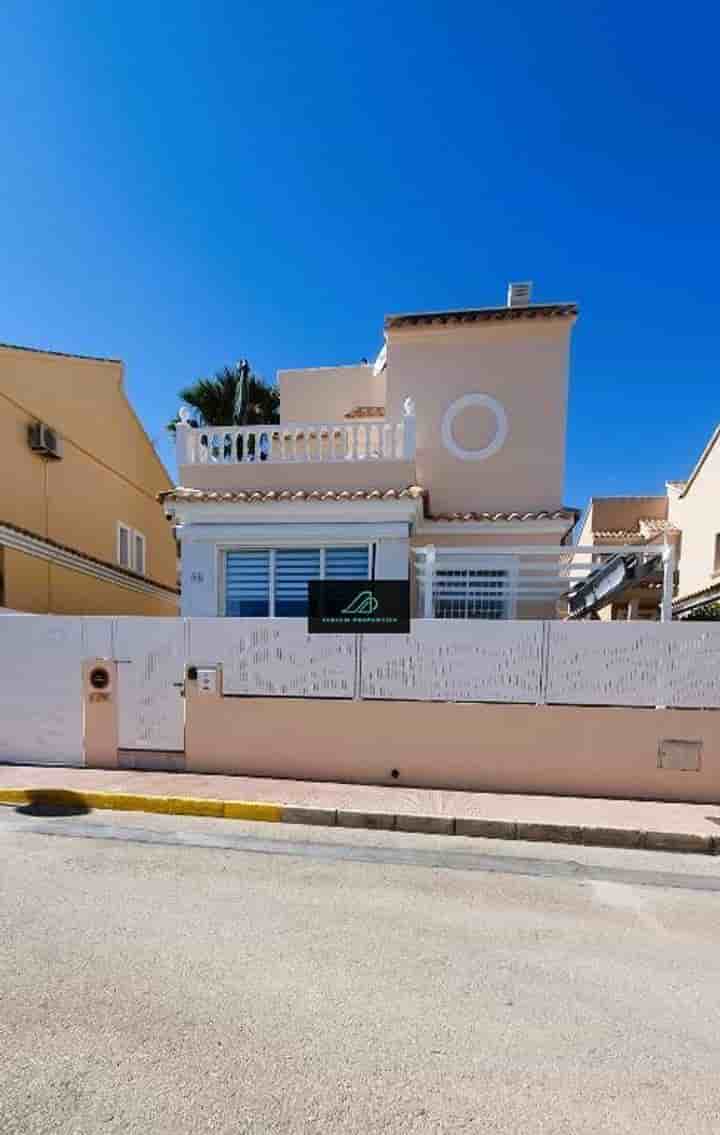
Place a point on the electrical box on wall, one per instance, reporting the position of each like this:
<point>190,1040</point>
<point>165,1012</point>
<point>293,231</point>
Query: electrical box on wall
<point>207,680</point>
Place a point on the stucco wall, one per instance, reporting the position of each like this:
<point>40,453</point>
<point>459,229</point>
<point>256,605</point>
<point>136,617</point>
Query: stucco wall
<point>33,584</point>
<point>109,471</point>
<point>270,476</point>
<point>492,748</point>
<point>697,514</point>
<point>326,394</point>
<point>625,513</point>
<point>524,365</point>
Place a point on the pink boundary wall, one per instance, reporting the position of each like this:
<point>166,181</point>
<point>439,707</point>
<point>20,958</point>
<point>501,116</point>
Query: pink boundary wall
<point>563,750</point>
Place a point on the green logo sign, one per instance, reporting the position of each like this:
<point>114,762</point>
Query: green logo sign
<point>359,606</point>
<point>364,603</point>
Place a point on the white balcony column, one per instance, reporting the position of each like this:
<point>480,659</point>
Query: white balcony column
<point>183,439</point>
<point>409,429</point>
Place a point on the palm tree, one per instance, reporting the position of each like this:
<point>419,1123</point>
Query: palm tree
<point>233,397</point>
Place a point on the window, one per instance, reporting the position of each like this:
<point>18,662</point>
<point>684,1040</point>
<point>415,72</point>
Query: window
<point>130,548</point>
<point>470,593</point>
<point>123,549</point>
<point>460,584</point>
<point>139,562</point>
<point>273,582</point>
<point>716,565</point>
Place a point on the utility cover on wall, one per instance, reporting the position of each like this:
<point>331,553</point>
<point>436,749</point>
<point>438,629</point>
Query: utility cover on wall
<point>683,756</point>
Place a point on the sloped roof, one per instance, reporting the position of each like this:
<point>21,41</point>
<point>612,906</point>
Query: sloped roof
<point>701,460</point>
<point>60,354</point>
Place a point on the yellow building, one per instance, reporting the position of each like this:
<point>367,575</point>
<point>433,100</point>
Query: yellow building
<point>81,531</point>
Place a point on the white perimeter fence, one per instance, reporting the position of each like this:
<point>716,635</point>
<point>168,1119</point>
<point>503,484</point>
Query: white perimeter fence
<point>611,664</point>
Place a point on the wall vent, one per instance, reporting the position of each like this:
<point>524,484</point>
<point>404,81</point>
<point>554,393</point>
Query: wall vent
<point>518,295</point>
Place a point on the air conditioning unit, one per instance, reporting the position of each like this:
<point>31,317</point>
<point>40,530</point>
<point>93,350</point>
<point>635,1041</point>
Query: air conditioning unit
<point>43,439</point>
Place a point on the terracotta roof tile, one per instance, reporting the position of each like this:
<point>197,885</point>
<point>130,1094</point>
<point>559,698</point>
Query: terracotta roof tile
<point>626,534</point>
<point>652,526</point>
<point>568,514</point>
<point>241,496</point>
<point>366,412</point>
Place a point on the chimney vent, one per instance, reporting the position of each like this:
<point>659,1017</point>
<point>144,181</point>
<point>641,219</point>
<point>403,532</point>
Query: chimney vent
<point>518,295</point>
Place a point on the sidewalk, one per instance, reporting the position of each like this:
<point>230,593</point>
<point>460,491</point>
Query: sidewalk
<point>613,823</point>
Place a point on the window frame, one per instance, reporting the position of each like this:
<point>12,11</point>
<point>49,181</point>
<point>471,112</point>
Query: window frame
<point>140,570</point>
<point>308,545</point>
<point>122,527</point>
<point>133,534</point>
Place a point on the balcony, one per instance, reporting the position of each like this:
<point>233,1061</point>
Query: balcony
<point>360,453</point>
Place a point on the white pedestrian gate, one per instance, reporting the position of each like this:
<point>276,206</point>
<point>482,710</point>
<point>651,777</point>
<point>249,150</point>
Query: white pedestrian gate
<point>151,669</point>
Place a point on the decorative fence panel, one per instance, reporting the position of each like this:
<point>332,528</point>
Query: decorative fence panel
<point>275,657</point>
<point>150,653</point>
<point>41,689</point>
<point>456,660</point>
<point>692,669</point>
<point>598,663</point>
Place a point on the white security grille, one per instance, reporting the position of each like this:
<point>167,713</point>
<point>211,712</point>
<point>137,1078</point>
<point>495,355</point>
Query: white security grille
<point>471,593</point>
<point>463,584</point>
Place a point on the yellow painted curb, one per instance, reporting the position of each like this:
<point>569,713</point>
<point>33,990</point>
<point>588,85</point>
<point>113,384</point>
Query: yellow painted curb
<point>14,796</point>
<point>195,806</point>
<point>238,810</point>
<point>138,802</point>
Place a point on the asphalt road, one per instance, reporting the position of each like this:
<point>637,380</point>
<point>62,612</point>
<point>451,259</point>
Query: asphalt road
<point>169,975</point>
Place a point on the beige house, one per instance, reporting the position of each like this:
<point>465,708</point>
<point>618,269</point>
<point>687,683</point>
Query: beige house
<point>694,508</point>
<point>617,525</point>
<point>441,462</point>
<point>687,518</point>
<point>81,531</point>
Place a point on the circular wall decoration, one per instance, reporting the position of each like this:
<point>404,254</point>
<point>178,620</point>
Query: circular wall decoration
<point>501,426</point>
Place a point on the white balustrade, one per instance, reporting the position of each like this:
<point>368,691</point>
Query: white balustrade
<point>296,442</point>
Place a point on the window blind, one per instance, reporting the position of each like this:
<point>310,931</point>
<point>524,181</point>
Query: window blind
<point>247,584</point>
<point>346,563</point>
<point>294,568</point>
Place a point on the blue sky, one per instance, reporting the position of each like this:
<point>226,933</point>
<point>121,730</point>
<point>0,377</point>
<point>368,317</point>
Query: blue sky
<point>183,185</point>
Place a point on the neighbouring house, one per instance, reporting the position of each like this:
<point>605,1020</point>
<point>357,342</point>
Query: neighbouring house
<point>617,527</point>
<point>686,519</point>
<point>442,462</point>
<point>81,531</point>
<point>694,507</point>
